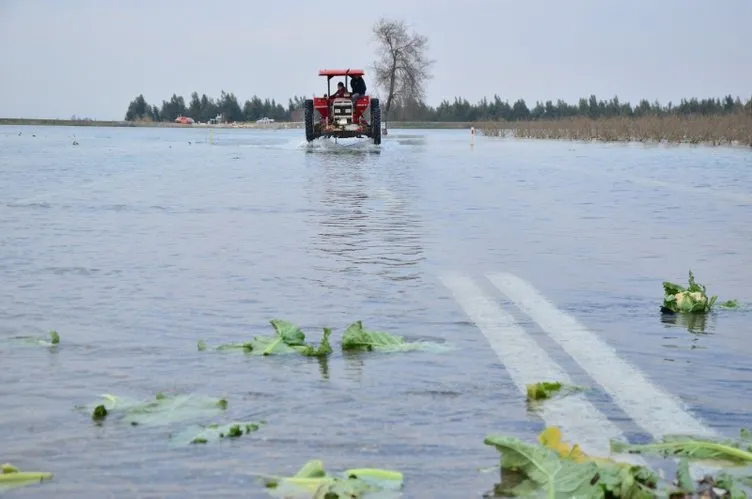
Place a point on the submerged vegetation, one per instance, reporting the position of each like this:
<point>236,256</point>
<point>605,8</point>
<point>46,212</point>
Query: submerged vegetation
<point>52,339</point>
<point>162,410</point>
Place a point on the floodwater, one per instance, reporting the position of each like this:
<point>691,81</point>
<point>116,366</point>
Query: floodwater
<point>136,243</point>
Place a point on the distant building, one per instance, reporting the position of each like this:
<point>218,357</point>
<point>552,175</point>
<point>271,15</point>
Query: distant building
<point>265,120</point>
<point>185,120</point>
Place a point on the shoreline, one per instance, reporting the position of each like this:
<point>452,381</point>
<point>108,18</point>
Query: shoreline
<point>252,125</point>
<point>717,131</point>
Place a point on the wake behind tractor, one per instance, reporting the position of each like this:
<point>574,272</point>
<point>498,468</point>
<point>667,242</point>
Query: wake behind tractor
<point>342,117</point>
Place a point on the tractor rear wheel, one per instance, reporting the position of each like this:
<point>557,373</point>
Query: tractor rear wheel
<point>309,120</point>
<point>376,121</point>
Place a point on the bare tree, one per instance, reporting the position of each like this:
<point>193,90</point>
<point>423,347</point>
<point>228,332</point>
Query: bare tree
<point>402,67</point>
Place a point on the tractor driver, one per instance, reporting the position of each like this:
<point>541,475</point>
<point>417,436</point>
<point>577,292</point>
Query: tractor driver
<point>341,91</point>
<point>358,87</point>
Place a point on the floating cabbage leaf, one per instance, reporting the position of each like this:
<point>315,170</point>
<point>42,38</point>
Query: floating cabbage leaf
<point>52,340</point>
<point>313,481</point>
<point>692,299</point>
<point>357,338</point>
<point>163,410</point>
<point>692,447</point>
<point>288,339</point>
<point>11,477</point>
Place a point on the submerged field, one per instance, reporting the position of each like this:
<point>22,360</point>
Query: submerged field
<point>713,130</point>
<point>147,248</point>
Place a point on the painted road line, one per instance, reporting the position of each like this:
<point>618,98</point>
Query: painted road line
<point>738,197</point>
<point>653,409</point>
<point>526,362</point>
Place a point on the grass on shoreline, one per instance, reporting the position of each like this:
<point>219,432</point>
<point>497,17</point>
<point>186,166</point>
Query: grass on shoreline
<point>732,129</point>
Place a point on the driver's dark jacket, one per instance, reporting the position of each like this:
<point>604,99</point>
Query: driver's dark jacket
<point>358,86</point>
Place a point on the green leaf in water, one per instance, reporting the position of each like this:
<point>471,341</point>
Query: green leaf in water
<point>289,339</point>
<point>690,447</point>
<point>204,434</point>
<point>729,304</point>
<point>542,390</point>
<point>11,477</point>
<point>692,300</point>
<point>52,339</point>
<point>357,338</point>
<point>313,481</point>
<point>683,478</point>
<point>549,389</point>
<point>162,410</point>
<point>544,470</point>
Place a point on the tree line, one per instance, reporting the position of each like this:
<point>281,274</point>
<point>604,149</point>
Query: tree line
<point>497,109</point>
<point>203,109</point>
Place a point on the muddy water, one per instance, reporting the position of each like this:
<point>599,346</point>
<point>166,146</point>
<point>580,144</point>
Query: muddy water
<point>136,243</point>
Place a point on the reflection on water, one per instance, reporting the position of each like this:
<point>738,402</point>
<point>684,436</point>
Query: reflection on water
<point>353,365</point>
<point>324,367</point>
<point>363,227</point>
<point>694,323</point>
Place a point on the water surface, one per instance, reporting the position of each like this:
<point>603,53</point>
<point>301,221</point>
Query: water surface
<point>136,243</point>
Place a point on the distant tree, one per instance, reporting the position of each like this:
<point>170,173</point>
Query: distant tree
<point>194,108</point>
<point>402,67</point>
<point>229,108</point>
<point>138,109</point>
<point>172,109</point>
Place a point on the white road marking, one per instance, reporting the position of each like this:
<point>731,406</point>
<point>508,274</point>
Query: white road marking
<point>738,197</point>
<point>718,192</point>
<point>526,362</point>
<point>653,409</point>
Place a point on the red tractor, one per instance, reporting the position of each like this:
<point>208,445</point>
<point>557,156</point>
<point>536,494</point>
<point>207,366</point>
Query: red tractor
<point>341,117</point>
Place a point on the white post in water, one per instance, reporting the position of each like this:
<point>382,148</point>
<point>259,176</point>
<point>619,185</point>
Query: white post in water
<point>472,136</point>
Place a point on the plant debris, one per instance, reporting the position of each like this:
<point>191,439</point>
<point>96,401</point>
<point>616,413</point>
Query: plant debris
<point>11,478</point>
<point>734,452</point>
<point>547,389</point>
<point>290,339</point>
<point>357,338</point>
<point>163,410</point>
<point>312,481</point>
<point>693,299</point>
<point>215,432</point>
<point>52,339</point>
<point>552,469</point>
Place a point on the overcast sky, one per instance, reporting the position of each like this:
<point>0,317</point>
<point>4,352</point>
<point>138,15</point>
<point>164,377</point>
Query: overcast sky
<point>92,57</point>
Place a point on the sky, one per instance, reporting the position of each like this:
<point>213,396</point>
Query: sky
<point>90,58</point>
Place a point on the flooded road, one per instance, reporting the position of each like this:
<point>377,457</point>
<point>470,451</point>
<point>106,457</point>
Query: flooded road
<point>525,258</point>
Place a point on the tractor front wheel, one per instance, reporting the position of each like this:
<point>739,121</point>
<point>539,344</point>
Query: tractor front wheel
<point>376,121</point>
<point>309,135</point>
